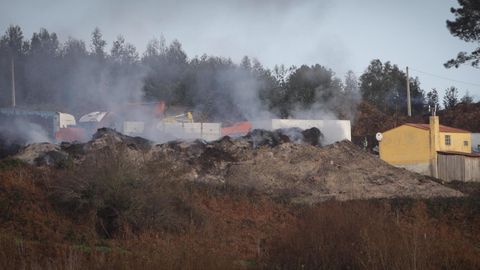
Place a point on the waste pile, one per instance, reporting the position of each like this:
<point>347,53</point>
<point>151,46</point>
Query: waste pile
<point>288,164</point>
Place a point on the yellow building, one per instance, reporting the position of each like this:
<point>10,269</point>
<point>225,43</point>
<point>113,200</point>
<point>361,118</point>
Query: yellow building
<point>416,146</point>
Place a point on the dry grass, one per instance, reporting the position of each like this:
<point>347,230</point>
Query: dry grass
<point>112,214</point>
<point>139,254</point>
<point>372,235</point>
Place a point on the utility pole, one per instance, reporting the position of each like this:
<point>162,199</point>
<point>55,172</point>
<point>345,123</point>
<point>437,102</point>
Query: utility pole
<point>409,103</point>
<point>13,83</point>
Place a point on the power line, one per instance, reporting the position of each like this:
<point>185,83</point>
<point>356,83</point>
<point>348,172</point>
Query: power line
<point>446,78</point>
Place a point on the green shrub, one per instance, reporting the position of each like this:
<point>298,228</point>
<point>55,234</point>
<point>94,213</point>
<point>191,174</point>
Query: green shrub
<point>10,163</point>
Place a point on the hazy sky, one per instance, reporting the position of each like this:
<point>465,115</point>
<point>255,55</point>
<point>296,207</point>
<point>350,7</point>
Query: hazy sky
<point>342,35</point>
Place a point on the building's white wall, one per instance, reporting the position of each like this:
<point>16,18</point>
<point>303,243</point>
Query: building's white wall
<point>263,124</point>
<point>211,131</point>
<point>205,131</point>
<point>192,129</point>
<point>171,130</point>
<point>333,130</point>
<point>133,127</point>
<point>476,142</point>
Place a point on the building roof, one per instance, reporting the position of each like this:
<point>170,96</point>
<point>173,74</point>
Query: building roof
<point>442,128</point>
<point>93,117</point>
<point>476,155</point>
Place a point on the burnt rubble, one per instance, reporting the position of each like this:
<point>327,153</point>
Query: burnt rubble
<point>109,136</point>
<point>259,137</point>
<point>290,164</point>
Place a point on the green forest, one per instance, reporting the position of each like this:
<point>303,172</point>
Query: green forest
<point>79,77</point>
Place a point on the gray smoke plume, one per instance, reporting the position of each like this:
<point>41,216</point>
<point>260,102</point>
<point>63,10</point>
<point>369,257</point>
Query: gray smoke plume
<point>21,131</point>
<point>72,79</point>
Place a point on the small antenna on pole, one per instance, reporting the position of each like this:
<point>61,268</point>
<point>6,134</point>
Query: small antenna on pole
<point>433,109</point>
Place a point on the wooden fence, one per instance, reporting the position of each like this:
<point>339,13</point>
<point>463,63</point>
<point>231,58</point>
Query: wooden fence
<point>458,167</point>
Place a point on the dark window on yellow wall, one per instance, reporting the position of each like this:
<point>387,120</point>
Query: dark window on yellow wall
<point>448,140</point>
<point>465,143</point>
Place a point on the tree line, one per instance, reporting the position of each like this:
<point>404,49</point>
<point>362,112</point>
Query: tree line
<point>77,77</point>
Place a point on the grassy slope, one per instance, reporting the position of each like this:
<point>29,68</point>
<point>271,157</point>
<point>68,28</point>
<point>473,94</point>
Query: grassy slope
<point>79,218</point>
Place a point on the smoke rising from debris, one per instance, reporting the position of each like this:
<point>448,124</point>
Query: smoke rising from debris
<point>72,79</point>
<point>22,132</point>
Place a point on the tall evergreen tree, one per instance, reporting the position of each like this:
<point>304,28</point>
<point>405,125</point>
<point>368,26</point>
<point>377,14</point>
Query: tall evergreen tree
<point>123,52</point>
<point>13,41</point>
<point>384,86</point>
<point>467,98</point>
<point>98,44</point>
<point>43,71</point>
<point>13,48</point>
<point>466,26</point>
<point>450,99</point>
<point>351,83</point>
<point>45,44</point>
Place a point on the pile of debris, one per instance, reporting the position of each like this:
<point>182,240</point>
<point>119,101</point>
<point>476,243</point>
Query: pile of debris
<point>289,164</point>
<point>42,154</point>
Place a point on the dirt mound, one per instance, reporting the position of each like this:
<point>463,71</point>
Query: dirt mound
<point>308,174</point>
<point>288,164</point>
<point>42,154</point>
<point>342,171</point>
<point>272,163</point>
